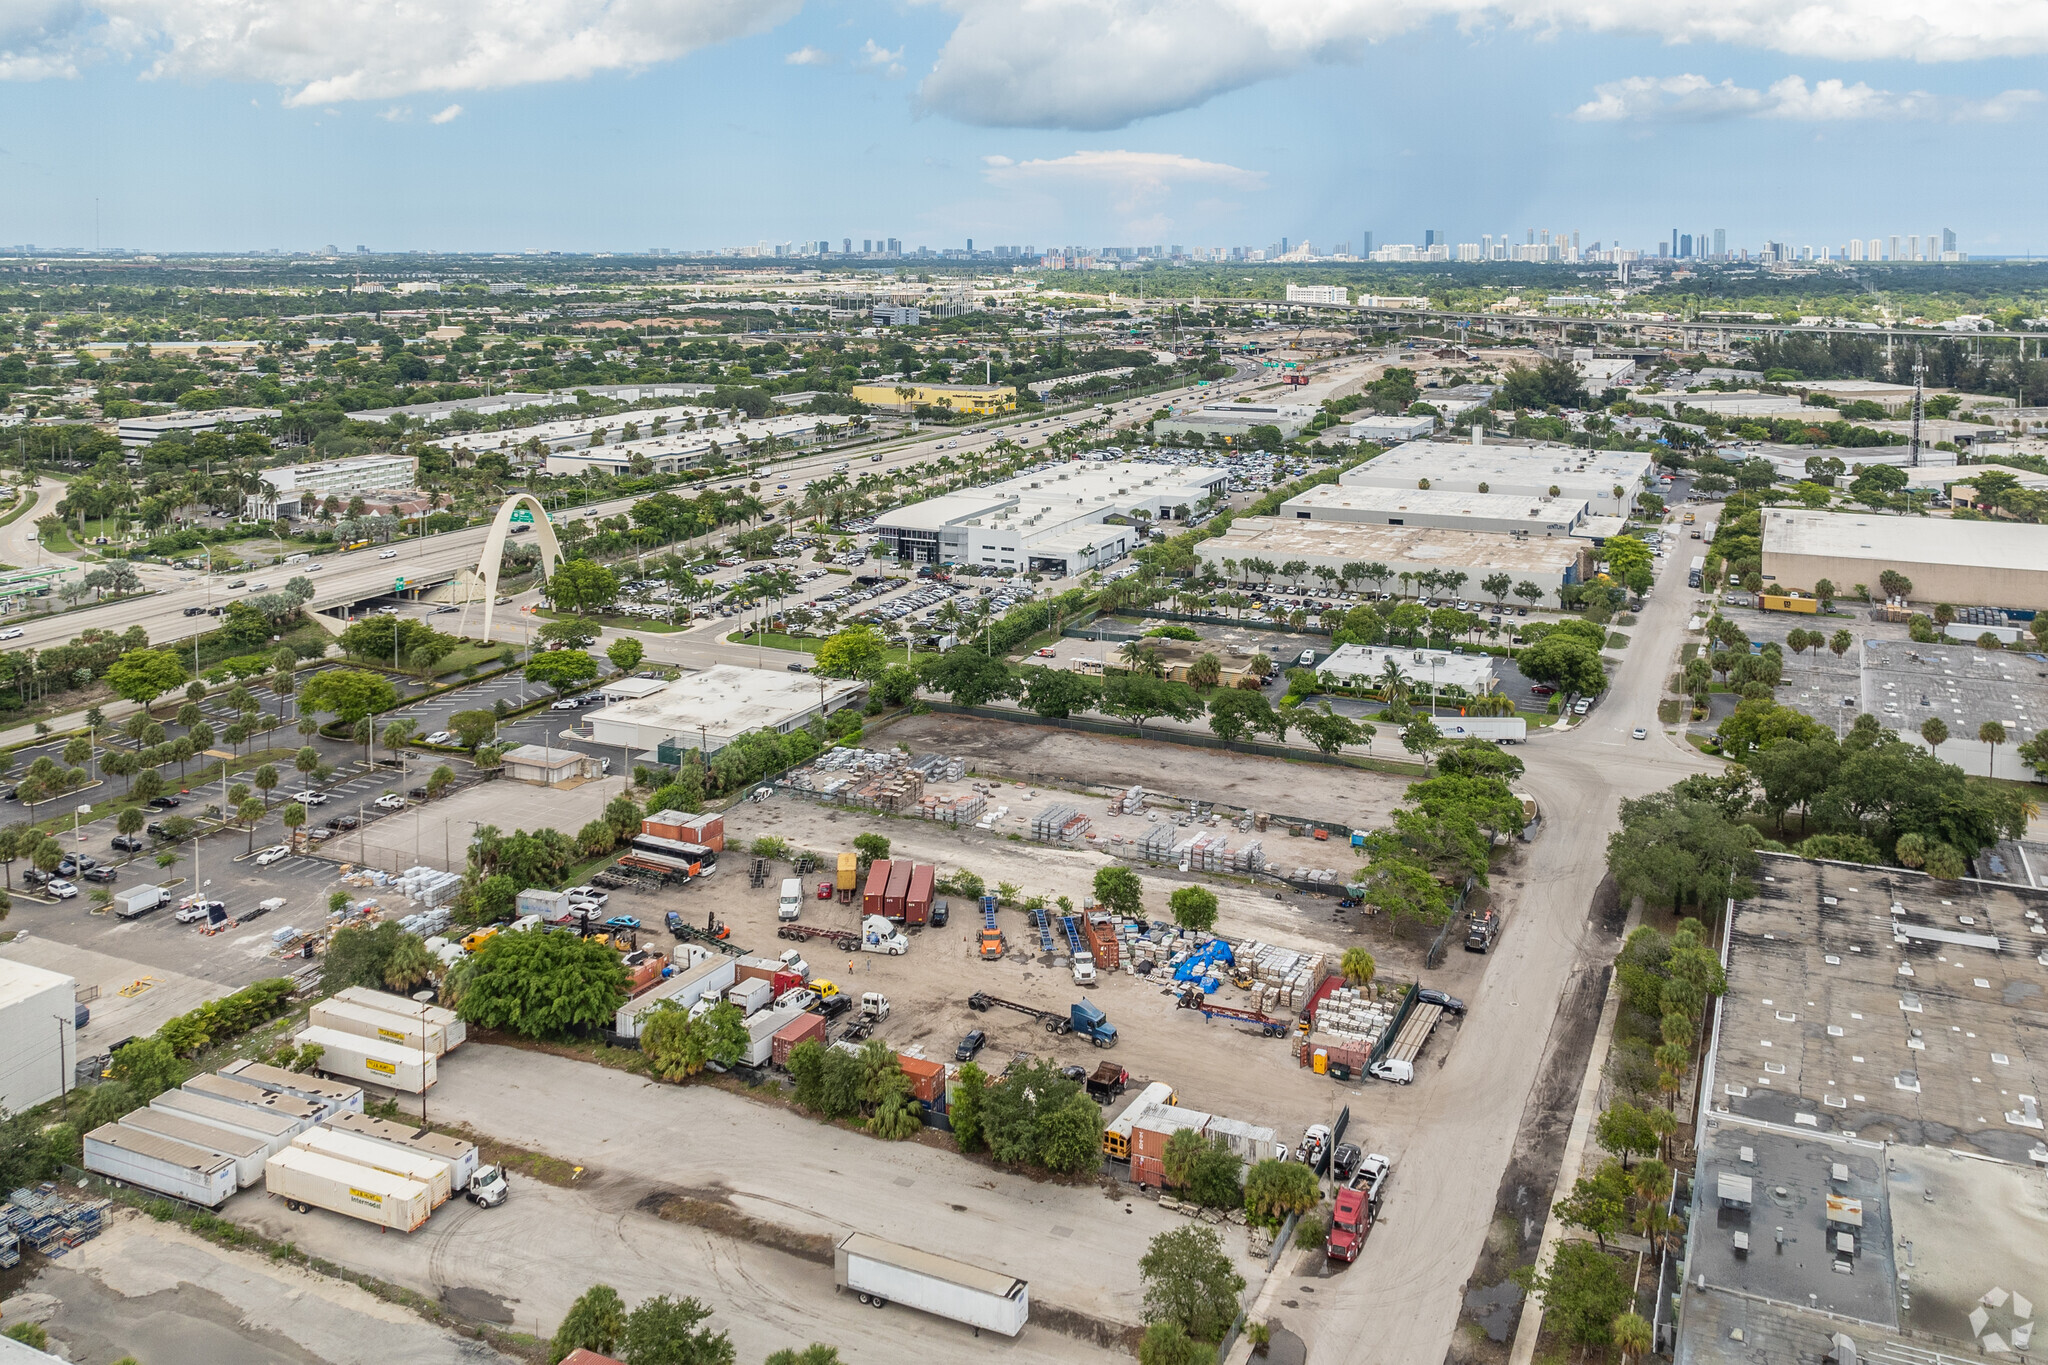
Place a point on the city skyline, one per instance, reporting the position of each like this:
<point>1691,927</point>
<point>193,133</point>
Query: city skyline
<point>718,124</point>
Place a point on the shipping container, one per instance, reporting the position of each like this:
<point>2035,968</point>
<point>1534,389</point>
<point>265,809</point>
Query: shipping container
<point>1248,1142</point>
<point>437,1175</point>
<point>875,893</point>
<point>806,1027</point>
<point>757,968</point>
<point>160,1164</point>
<point>761,1031</point>
<point>882,1273</point>
<point>323,1182</point>
<point>917,901</point>
<point>1116,1134</point>
<point>708,978</point>
<point>384,1026</point>
<point>1151,1130</point>
<point>370,1061</point>
<point>1098,929</point>
<point>539,901</point>
<point>274,1129</point>
<point>849,873</point>
<point>256,1097</point>
<point>450,1022</point>
<point>897,890</point>
<point>708,830</point>
<point>460,1155</point>
<point>927,1078</point>
<point>664,824</point>
<point>338,1095</point>
<point>248,1153</point>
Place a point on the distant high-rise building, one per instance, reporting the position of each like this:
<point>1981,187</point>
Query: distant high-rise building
<point>1948,241</point>
<point>1664,248</point>
<point>1720,243</point>
<point>362,251</point>
<point>895,247</point>
<point>1912,246</point>
<point>1855,252</point>
<point>1365,244</point>
<point>1896,247</point>
<point>970,244</point>
<point>1684,247</point>
<point>1674,242</point>
<point>1429,237</point>
<point>1532,237</point>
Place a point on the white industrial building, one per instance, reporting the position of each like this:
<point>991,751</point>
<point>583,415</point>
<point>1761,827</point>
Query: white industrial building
<point>570,432</point>
<point>1608,480</point>
<point>1235,420</point>
<point>1602,372</point>
<point>140,431</point>
<point>38,1045</point>
<point>1434,668</point>
<point>1386,429</point>
<point>707,710</point>
<point>1318,293</point>
<point>1533,514</point>
<point>1050,520</point>
<point>683,449</point>
<point>297,490</point>
<point>1548,562</point>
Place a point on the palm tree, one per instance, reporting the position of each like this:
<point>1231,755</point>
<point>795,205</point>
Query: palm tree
<point>1632,1336</point>
<point>1358,966</point>
<point>294,820</point>
<point>1935,731</point>
<point>1993,733</point>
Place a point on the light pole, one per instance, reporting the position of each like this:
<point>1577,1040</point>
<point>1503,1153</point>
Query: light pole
<point>76,834</point>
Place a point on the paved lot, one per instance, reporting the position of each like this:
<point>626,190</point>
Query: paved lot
<point>438,833</point>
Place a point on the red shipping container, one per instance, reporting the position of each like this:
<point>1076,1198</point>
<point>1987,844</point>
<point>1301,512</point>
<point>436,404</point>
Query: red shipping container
<point>708,830</point>
<point>1147,1170</point>
<point>800,1029</point>
<point>1098,930</point>
<point>667,824</point>
<point>927,1079</point>
<point>876,892</point>
<point>917,901</point>
<point>897,890</point>
<point>757,969</point>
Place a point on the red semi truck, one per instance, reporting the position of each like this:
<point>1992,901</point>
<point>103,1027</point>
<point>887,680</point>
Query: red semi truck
<point>1357,1208</point>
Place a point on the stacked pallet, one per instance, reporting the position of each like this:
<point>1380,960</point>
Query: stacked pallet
<point>1132,802</point>
<point>897,792</point>
<point>1157,845</point>
<point>953,810</point>
<point>1060,821</point>
<point>1204,853</point>
<point>430,886</point>
<point>1250,858</point>
<point>1289,974</point>
<point>1354,1014</point>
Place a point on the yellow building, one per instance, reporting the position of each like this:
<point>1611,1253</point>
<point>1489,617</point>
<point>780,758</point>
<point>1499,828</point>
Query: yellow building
<point>980,399</point>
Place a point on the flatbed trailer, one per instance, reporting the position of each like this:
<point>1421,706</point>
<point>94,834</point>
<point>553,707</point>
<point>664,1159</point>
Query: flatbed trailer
<point>981,1002</point>
<point>1193,999</point>
<point>845,940</point>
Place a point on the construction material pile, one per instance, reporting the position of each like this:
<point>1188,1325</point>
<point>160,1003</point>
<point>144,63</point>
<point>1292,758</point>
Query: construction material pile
<point>49,1219</point>
<point>430,886</point>
<point>1059,822</point>
<point>1352,1013</point>
<point>1157,845</point>
<point>953,810</point>
<point>1282,978</point>
<point>1131,802</point>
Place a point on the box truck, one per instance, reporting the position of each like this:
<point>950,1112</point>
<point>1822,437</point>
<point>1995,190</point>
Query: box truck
<point>437,1175</point>
<point>709,978</point>
<point>372,1062</point>
<point>339,1096</point>
<point>761,1031</point>
<point>314,1180</point>
<point>385,1026</point>
<point>449,1022</point>
<point>161,1164</point>
<point>849,875</point>
<point>881,1273</point>
<point>462,1157</point>
<point>752,996</point>
<point>137,901</point>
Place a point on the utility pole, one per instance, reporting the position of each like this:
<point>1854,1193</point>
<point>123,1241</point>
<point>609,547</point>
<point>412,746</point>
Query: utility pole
<point>1919,406</point>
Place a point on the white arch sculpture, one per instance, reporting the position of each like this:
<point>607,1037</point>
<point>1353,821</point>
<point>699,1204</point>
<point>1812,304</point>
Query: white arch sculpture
<point>494,549</point>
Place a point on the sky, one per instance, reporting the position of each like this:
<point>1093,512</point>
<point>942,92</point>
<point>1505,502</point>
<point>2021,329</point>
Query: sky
<point>623,125</point>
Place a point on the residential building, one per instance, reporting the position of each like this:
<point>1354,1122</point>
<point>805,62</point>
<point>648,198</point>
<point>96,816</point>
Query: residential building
<point>1059,519</point>
<point>709,709</point>
<point>979,399</point>
<point>140,431</point>
<point>293,491</point>
<point>1318,293</point>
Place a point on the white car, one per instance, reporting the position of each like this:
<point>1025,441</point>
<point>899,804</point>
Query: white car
<point>61,889</point>
<point>258,587</point>
<point>389,801</point>
<point>1639,733</point>
<point>12,633</point>
<point>566,704</point>
<point>587,894</point>
<point>439,737</point>
<point>275,853</point>
<point>387,554</point>
<point>310,798</point>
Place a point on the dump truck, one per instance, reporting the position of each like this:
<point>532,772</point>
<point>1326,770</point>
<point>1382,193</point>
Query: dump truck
<point>881,1273</point>
<point>1082,1017</point>
<point>1107,1083</point>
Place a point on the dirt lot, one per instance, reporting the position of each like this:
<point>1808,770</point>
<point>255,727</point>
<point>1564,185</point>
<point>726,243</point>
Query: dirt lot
<point>1074,759</point>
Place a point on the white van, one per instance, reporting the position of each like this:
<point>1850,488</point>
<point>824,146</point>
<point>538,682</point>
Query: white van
<point>296,559</point>
<point>792,902</point>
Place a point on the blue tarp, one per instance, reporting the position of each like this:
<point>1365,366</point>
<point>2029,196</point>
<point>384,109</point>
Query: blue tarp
<point>1195,968</point>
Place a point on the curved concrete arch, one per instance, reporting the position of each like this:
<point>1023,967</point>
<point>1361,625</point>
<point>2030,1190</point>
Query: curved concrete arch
<point>494,548</point>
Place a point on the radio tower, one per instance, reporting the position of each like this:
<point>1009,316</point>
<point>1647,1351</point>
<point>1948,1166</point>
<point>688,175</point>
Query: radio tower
<point>1919,407</point>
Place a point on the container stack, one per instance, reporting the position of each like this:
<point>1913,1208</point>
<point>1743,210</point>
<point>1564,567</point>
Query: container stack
<point>430,886</point>
<point>1059,821</point>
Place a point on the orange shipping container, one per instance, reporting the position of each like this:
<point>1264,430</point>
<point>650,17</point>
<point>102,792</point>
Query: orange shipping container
<point>1147,1170</point>
<point>803,1028</point>
<point>708,830</point>
<point>876,892</point>
<point>898,889</point>
<point>927,1079</point>
<point>666,824</point>
<point>917,901</point>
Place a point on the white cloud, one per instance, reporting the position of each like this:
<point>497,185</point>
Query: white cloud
<point>889,63</point>
<point>1138,182</point>
<point>322,51</point>
<point>397,113</point>
<point>448,115</point>
<point>808,56</point>
<point>1690,99</point>
<point>997,162</point>
<point>1097,64</point>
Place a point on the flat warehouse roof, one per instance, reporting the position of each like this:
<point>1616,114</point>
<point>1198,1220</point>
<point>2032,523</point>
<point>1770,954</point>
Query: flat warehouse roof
<point>19,981</point>
<point>2006,545</point>
<point>1443,502</point>
<point>1281,539</point>
<point>1462,460</point>
<point>728,699</point>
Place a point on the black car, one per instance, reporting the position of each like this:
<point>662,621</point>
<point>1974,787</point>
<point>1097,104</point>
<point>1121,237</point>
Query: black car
<point>832,1006</point>
<point>99,874</point>
<point>67,866</point>
<point>675,923</point>
<point>128,843</point>
<point>974,1042</point>
<point>195,611</point>
<point>1346,1160</point>
<point>343,822</point>
<point>155,829</point>
<point>162,803</point>
<point>35,876</point>
<point>939,914</point>
<point>1451,1003</point>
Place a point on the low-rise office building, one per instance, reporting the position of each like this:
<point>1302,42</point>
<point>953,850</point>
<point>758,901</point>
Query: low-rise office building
<point>1357,665</point>
<point>1550,562</point>
<point>297,490</point>
<point>707,710</point>
<point>974,398</point>
<point>546,766</point>
<point>1504,513</point>
<point>1965,563</point>
<point>1388,430</point>
<point>140,431</point>
<point>1234,421</point>
<point>1608,480</point>
<point>1056,519</point>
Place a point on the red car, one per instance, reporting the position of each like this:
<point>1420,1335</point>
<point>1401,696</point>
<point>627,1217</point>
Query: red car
<point>824,891</point>
<point>1542,689</point>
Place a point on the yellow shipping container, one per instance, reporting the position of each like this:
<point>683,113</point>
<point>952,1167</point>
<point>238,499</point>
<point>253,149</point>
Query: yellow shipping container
<point>1786,602</point>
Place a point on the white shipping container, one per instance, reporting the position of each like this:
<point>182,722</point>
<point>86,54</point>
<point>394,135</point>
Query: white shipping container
<point>385,1026</point>
<point>237,1091</point>
<point>161,1164</point>
<point>761,1031</point>
<point>340,1097</point>
<point>275,1129</point>
<point>885,1271</point>
<point>710,977</point>
<point>459,1154</point>
<point>343,1187</point>
<point>247,1153</point>
<point>458,1032</point>
<point>437,1175</point>
<point>364,1059</point>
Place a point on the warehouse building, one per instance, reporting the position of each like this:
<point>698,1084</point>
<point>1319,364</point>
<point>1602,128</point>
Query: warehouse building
<point>1434,669</point>
<point>666,454</point>
<point>1388,430</point>
<point>140,431</point>
<point>1973,563</point>
<point>1608,480</point>
<point>1055,519</point>
<point>1503,513</point>
<point>1548,562</point>
<point>38,1044</point>
<point>708,710</point>
<point>1234,421</point>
